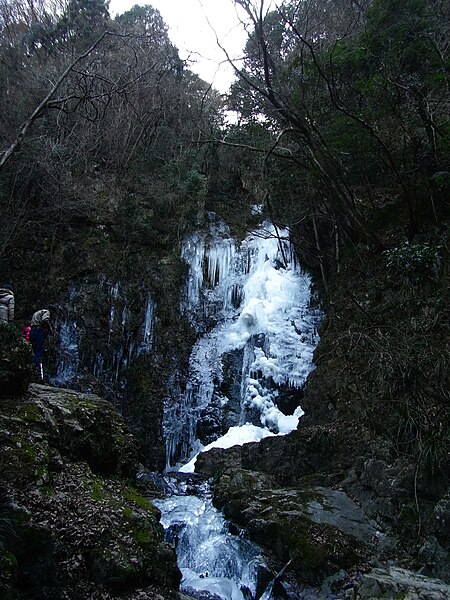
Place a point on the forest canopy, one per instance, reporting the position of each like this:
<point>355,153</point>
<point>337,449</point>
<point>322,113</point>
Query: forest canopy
<point>341,108</point>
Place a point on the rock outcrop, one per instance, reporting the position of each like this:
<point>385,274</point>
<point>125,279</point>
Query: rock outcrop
<point>72,522</point>
<point>319,530</point>
<point>303,453</point>
<point>400,583</point>
<point>332,531</point>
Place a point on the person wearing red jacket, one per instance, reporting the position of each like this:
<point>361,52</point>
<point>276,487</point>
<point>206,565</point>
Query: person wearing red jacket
<point>40,329</point>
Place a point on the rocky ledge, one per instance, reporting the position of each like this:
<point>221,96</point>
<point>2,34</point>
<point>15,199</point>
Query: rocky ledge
<point>318,531</point>
<point>72,522</point>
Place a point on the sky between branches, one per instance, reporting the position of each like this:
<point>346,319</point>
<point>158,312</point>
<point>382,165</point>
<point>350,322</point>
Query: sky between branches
<point>192,26</point>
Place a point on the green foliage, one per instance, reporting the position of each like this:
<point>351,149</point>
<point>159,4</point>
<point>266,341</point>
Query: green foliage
<point>363,96</point>
<point>143,19</point>
<point>83,19</point>
<point>98,491</point>
<point>414,259</point>
<point>442,180</point>
<point>144,537</point>
<point>196,188</point>
<point>134,224</point>
<point>196,184</point>
<point>389,348</point>
<point>127,110</point>
<point>433,449</point>
<point>133,495</point>
<point>127,513</point>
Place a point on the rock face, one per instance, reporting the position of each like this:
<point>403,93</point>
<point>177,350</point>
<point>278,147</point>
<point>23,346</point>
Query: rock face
<point>400,583</point>
<point>72,523</point>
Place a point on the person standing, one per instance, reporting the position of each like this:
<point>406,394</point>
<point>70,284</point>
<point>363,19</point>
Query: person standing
<point>40,329</point>
<point>6,304</point>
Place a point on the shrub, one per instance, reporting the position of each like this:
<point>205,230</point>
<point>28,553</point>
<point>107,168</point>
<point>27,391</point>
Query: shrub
<point>15,361</point>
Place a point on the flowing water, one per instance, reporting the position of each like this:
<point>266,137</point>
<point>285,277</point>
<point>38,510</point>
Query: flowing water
<point>210,557</point>
<point>251,306</point>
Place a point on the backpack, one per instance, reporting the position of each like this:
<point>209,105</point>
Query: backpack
<point>26,332</point>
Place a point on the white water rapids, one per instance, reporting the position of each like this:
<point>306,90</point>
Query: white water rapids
<point>251,305</point>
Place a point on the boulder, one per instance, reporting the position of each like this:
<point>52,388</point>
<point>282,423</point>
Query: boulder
<point>435,559</point>
<point>218,460</point>
<point>77,523</point>
<point>394,583</point>
<point>304,452</point>
<point>85,427</point>
<point>319,529</point>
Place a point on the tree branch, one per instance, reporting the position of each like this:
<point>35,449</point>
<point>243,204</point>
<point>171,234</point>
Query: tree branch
<point>47,101</point>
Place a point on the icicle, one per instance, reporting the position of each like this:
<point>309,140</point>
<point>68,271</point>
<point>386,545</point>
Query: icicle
<point>98,365</point>
<point>147,329</point>
<point>192,252</point>
<point>220,259</point>
<point>68,357</point>
<point>114,292</point>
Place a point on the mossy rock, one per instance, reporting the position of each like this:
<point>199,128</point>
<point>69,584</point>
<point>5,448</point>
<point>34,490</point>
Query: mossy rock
<point>80,523</point>
<point>319,529</point>
<point>87,427</point>
<point>132,495</point>
<point>26,460</point>
<point>114,569</point>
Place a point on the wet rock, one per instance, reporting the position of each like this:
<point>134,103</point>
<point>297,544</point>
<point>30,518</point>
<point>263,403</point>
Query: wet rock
<point>224,409</point>
<point>435,559</point>
<point>210,425</point>
<point>201,594</point>
<point>320,529</point>
<point>394,583</point>
<point>231,386</point>
<point>441,518</point>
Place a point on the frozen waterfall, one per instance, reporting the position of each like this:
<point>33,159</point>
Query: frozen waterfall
<point>68,355</point>
<point>255,298</point>
<point>126,340</point>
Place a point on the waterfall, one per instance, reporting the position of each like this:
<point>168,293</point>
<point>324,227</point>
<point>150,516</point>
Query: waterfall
<point>257,299</point>
<point>250,304</point>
